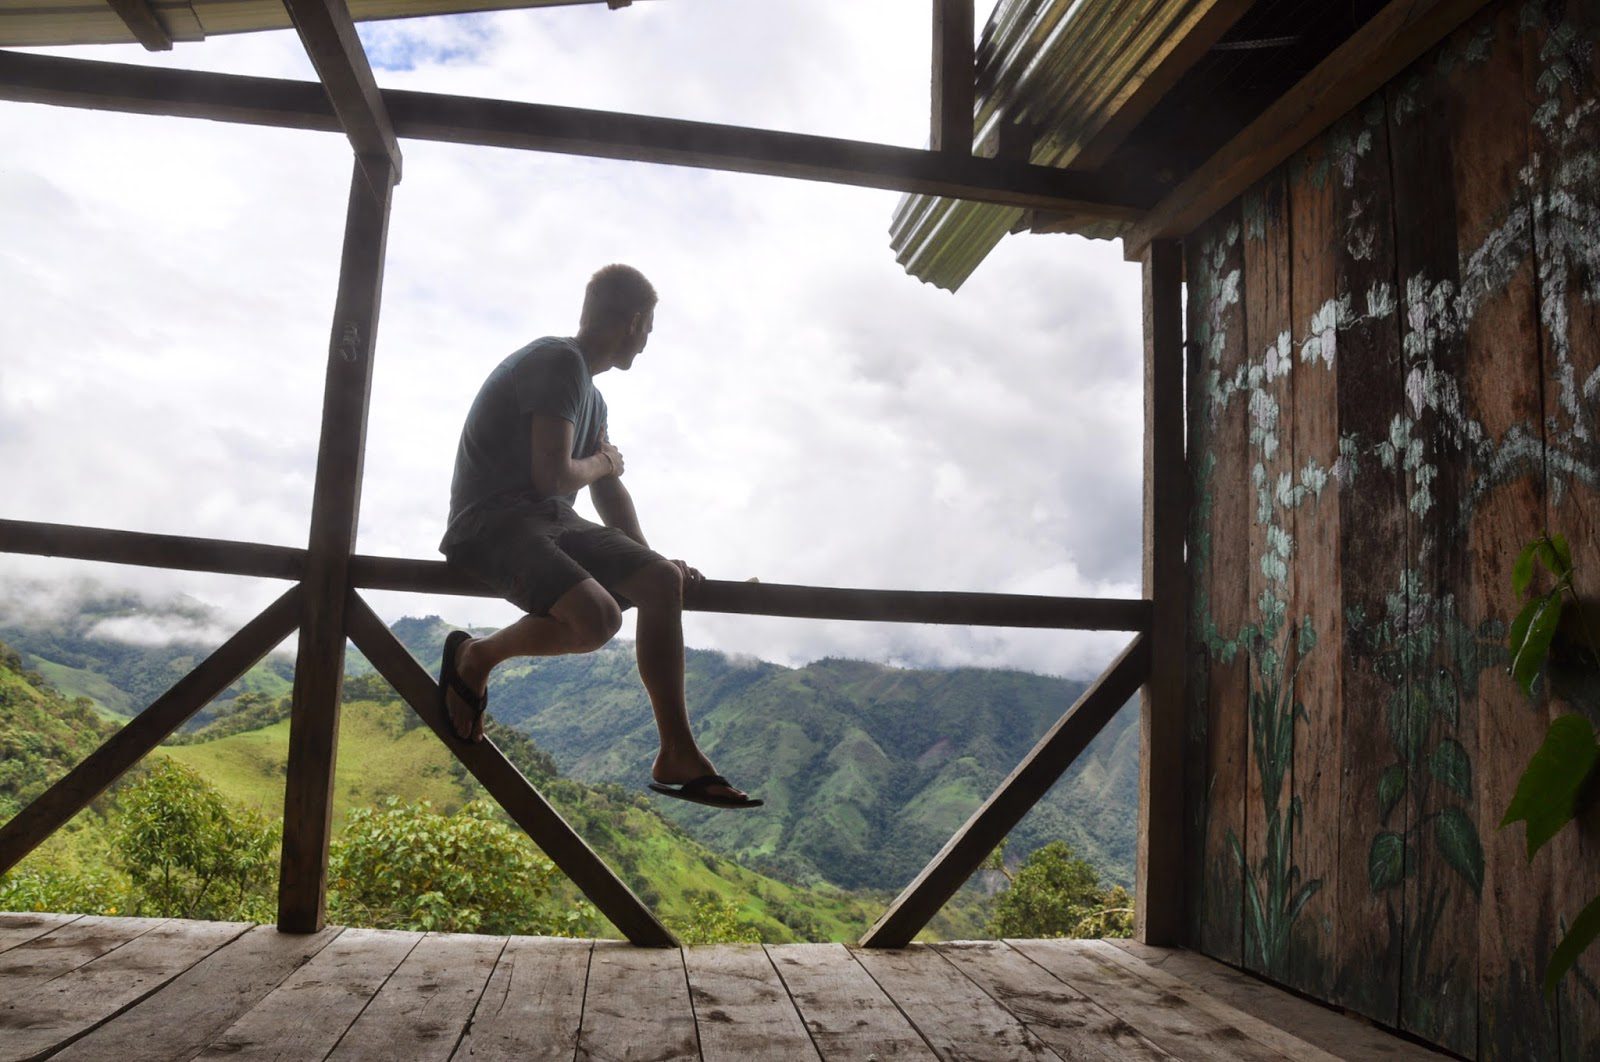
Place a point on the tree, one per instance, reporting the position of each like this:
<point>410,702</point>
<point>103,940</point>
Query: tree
<point>189,853</point>
<point>714,921</point>
<point>1056,894</point>
<point>404,866</point>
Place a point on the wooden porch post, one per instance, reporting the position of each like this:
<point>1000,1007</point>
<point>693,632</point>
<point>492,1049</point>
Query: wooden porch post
<point>336,501</point>
<point>1158,901</point>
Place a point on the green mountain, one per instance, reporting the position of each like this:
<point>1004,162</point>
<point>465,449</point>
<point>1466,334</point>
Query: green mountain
<point>41,732</point>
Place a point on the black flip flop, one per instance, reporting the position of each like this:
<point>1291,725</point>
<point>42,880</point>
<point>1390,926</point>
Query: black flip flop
<point>695,790</point>
<point>450,679</point>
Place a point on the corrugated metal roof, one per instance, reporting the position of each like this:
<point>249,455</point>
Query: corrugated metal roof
<point>35,23</point>
<point>1062,67</point>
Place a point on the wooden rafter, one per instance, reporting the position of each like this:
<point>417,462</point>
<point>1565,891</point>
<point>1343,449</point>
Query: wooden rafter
<point>1022,789</point>
<point>1390,41</point>
<point>51,809</point>
<point>141,20</point>
<point>954,77</point>
<point>537,127</point>
<point>543,823</point>
<point>331,41</point>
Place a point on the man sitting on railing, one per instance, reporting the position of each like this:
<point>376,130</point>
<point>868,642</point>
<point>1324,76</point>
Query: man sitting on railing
<point>535,435</point>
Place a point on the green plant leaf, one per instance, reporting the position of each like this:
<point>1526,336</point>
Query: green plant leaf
<point>1584,929</point>
<point>1386,861</point>
<point>1391,787</point>
<point>1548,791</point>
<point>1530,658</point>
<point>1519,626</point>
<point>1563,552</point>
<point>1522,570</point>
<point>1451,765</point>
<point>1458,842</point>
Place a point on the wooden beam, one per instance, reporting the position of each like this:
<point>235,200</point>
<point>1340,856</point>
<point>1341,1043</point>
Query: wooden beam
<point>1022,789</point>
<point>543,823</point>
<point>142,22</point>
<point>179,552</point>
<point>335,504</point>
<point>955,77</point>
<point>335,50</point>
<point>1158,880</point>
<point>48,79</point>
<point>1389,42</point>
<point>52,809</point>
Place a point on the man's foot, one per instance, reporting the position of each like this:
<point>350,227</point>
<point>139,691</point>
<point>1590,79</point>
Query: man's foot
<point>464,691</point>
<point>696,771</point>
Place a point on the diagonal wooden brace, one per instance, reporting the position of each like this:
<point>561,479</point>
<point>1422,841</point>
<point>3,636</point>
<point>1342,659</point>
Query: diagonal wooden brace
<point>1016,796</point>
<point>51,809</point>
<point>506,784</point>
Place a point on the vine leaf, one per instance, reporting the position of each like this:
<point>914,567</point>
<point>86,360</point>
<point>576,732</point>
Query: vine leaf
<point>1451,765</point>
<point>1529,657</point>
<point>1386,862</point>
<point>1548,792</point>
<point>1458,842</point>
<point>1585,928</point>
<point>1391,787</point>
<point>1522,570</point>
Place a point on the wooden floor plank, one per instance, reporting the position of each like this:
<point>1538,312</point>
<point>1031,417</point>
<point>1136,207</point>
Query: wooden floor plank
<point>64,1008</point>
<point>847,1014</point>
<point>21,927</point>
<point>955,1016</point>
<point>423,1009</point>
<point>637,1005</point>
<point>304,1017</point>
<point>533,1005</point>
<point>66,948</point>
<point>177,1023</point>
<point>741,1007</point>
<point>1341,1036</point>
<point>1070,1022</point>
<point>1173,1022</point>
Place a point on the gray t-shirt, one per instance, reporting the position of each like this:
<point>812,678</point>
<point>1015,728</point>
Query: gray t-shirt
<point>494,459</point>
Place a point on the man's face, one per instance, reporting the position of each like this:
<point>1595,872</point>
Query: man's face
<point>638,335</point>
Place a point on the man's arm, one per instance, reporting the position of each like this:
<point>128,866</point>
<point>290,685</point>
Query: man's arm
<point>615,506</point>
<point>555,470</point>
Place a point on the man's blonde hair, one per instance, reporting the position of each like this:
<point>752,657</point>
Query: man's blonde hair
<point>614,294</point>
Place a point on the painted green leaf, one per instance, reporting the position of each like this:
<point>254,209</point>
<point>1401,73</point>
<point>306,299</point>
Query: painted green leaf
<point>1451,765</point>
<point>1584,929</point>
<point>1530,658</point>
<point>1391,787</point>
<point>1548,791</point>
<point>1522,570</point>
<point>1458,842</point>
<point>1386,862</point>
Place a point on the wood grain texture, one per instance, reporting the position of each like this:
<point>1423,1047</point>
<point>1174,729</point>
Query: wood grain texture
<point>527,808</point>
<point>177,1022</point>
<point>305,1016</point>
<point>1167,1019</point>
<point>51,810</point>
<point>60,1010</point>
<point>66,948</point>
<point>1069,1022</point>
<point>423,1008</point>
<point>956,1017</point>
<point>533,1004</point>
<point>741,1007</point>
<point>847,1014</point>
<point>1029,781</point>
<point>1158,879</point>
<point>637,1005</point>
<point>19,928</point>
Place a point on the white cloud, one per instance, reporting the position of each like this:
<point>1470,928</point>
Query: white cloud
<point>805,412</point>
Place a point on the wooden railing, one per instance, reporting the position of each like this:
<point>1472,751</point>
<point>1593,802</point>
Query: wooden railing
<point>905,917</point>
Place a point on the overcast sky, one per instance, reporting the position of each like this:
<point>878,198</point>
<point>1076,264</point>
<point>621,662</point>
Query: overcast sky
<point>805,412</point>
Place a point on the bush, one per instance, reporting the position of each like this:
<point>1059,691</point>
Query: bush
<point>1056,894</point>
<point>714,921</point>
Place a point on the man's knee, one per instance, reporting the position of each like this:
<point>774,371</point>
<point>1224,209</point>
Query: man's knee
<point>591,616</point>
<point>658,584</point>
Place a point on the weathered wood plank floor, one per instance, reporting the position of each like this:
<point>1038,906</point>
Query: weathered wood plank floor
<point>131,989</point>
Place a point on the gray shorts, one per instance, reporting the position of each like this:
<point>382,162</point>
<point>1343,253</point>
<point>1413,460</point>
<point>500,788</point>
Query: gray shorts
<point>533,552</point>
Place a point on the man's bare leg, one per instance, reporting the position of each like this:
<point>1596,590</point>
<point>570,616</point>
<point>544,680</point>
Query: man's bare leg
<point>584,619</point>
<point>657,590</point>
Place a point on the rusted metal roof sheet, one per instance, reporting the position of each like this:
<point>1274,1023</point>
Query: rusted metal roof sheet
<point>35,23</point>
<point>1063,68</point>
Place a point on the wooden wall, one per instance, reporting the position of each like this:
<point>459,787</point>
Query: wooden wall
<point>1394,383</point>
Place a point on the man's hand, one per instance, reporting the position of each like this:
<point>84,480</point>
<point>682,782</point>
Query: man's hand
<point>610,453</point>
<point>691,576</point>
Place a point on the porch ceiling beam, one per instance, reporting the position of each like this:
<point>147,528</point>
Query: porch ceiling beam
<point>1389,42</point>
<point>335,50</point>
<point>954,77</point>
<point>142,22</point>
<point>47,79</point>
